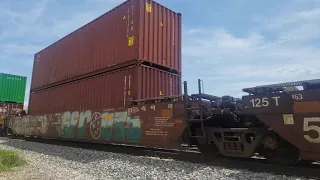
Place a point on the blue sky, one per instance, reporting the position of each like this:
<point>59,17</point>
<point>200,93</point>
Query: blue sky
<point>230,44</point>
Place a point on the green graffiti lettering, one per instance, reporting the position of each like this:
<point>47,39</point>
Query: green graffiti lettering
<point>106,125</point>
<point>67,129</point>
<point>132,129</point>
<point>119,121</point>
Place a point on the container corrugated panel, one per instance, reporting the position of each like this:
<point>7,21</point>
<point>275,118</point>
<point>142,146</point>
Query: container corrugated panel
<point>109,90</point>
<point>139,30</point>
<point>160,38</point>
<point>12,88</point>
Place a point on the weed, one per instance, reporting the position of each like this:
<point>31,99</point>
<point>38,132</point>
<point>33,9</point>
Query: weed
<point>10,159</point>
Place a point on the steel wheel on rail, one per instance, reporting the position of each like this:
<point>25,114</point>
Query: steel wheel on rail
<point>207,149</point>
<point>283,156</point>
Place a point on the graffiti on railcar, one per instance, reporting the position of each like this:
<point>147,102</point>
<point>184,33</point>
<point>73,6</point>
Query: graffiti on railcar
<point>72,120</point>
<point>105,125</point>
<point>3,114</point>
<point>10,110</point>
<point>101,125</point>
<point>29,125</point>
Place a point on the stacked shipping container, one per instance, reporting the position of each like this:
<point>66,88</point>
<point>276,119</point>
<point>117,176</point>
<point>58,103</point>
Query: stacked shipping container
<point>12,92</point>
<point>108,90</point>
<point>12,88</point>
<point>134,50</point>
<point>135,30</point>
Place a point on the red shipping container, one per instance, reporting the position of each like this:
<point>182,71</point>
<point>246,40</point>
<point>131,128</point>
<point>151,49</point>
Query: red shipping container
<point>140,30</point>
<point>10,108</point>
<point>105,91</point>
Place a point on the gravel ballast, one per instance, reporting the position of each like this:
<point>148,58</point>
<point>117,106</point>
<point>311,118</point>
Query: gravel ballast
<point>47,161</point>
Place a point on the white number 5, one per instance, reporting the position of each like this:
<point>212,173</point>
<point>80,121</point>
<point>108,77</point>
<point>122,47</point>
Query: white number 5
<point>306,127</point>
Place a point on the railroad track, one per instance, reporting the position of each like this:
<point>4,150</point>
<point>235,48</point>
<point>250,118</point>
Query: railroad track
<point>302,169</point>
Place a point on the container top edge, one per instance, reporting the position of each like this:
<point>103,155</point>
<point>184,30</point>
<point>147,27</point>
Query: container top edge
<point>176,12</point>
<point>81,27</point>
<point>13,75</point>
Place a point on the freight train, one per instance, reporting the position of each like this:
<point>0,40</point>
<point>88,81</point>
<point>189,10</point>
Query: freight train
<point>123,85</point>
<point>283,126</point>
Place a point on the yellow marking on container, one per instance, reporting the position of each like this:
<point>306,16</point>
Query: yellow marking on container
<point>161,93</point>
<point>131,21</point>
<point>124,17</point>
<point>76,118</point>
<point>161,23</point>
<point>108,117</point>
<point>288,119</point>
<point>129,93</point>
<point>130,41</point>
<point>148,7</point>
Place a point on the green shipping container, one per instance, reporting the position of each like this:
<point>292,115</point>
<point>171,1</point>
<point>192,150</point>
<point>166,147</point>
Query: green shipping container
<point>12,88</point>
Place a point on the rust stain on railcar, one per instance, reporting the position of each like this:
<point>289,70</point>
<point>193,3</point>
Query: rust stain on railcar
<point>307,107</point>
<point>151,124</point>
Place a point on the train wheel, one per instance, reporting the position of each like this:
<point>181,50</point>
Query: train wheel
<point>284,156</point>
<point>207,149</point>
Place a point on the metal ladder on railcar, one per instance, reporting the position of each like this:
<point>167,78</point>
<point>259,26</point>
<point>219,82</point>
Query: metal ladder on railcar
<point>187,109</point>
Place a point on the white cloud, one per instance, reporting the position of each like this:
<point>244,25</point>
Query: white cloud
<point>234,62</point>
<point>241,59</point>
<point>22,23</point>
<point>216,45</point>
<point>289,18</point>
<point>15,48</point>
<point>309,15</point>
<point>61,28</point>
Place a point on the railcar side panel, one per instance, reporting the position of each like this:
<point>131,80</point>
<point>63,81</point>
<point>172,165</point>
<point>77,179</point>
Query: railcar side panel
<point>157,125</point>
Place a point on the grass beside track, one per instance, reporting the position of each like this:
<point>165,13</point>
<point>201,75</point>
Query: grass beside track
<point>10,159</point>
